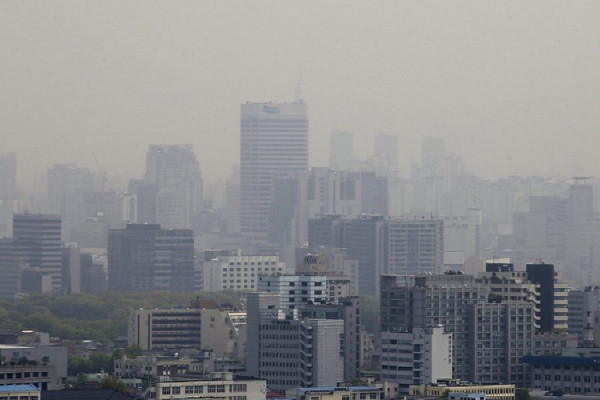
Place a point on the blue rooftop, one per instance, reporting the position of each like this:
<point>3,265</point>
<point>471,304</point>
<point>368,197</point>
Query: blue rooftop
<point>18,388</point>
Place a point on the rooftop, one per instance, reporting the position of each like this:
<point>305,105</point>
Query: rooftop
<point>338,388</point>
<point>18,388</point>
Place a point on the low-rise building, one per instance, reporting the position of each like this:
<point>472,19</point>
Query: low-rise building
<point>19,392</point>
<point>177,328</point>
<point>42,366</point>
<point>336,393</point>
<point>569,373</point>
<point>221,386</point>
<point>466,396</point>
<point>449,386</point>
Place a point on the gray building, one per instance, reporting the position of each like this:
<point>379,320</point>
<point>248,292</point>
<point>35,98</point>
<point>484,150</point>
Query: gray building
<point>414,246</point>
<point>172,190</point>
<point>67,184</point>
<point>413,358</point>
<point>364,239</point>
<point>307,350</point>
<point>582,305</point>
<point>414,302</point>
<point>501,334</point>
<point>37,238</point>
<point>145,257</point>
<point>273,142</point>
<point>382,245</point>
<point>9,269</point>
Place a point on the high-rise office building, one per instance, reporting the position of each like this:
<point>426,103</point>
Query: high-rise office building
<point>364,239</point>
<point>274,143</point>
<point>553,297</point>
<point>412,302</point>
<point>67,184</point>
<point>346,193</point>
<point>501,334</point>
<point>172,186</point>
<point>38,241</point>
<point>386,154</point>
<point>414,246</point>
<point>381,245</point>
<point>145,257</point>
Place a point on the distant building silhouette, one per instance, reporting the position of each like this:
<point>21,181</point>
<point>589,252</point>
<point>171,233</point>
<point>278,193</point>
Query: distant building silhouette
<point>145,257</point>
<point>274,143</point>
<point>37,238</point>
<point>172,189</point>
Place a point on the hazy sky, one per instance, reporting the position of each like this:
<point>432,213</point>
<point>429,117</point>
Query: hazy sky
<point>513,86</point>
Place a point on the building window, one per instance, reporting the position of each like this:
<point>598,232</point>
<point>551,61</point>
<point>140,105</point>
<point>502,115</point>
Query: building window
<point>166,390</point>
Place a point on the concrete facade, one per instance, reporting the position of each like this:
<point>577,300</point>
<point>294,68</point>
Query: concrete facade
<point>418,357</point>
<point>145,257</point>
<point>198,328</point>
<point>224,387</point>
<point>238,272</point>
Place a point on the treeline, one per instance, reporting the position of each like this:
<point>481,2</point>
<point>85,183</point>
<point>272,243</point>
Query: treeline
<point>99,317</point>
<point>103,317</point>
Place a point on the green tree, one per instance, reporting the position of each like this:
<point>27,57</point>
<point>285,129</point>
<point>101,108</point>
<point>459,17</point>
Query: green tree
<point>110,382</point>
<point>81,379</point>
<point>134,351</point>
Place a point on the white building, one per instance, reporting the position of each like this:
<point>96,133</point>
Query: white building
<point>238,272</point>
<point>423,356</point>
<point>226,386</point>
<point>294,290</point>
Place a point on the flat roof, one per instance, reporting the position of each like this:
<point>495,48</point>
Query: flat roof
<point>13,347</point>
<point>18,388</point>
<point>562,360</point>
<point>338,388</point>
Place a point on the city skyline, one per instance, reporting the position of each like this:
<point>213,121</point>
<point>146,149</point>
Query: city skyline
<point>495,80</point>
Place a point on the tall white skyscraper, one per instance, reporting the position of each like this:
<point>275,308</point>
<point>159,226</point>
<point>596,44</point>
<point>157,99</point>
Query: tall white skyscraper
<point>273,144</point>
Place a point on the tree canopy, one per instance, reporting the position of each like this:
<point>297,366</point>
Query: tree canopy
<point>100,317</point>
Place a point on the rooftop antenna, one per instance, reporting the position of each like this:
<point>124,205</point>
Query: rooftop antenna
<point>298,96</point>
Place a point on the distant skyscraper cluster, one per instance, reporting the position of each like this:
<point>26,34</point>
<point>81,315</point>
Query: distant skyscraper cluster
<point>476,280</point>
